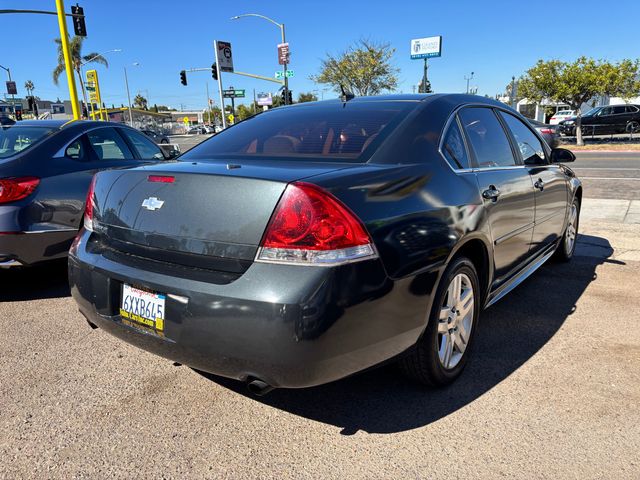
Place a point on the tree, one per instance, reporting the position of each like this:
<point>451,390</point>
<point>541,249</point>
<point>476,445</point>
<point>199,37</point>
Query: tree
<point>575,83</point>
<point>307,97</point>
<point>422,88</point>
<point>365,68</point>
<point>140,102</point>
<point>243,111</point>
<point>29,87</point>
<point>77,60</point>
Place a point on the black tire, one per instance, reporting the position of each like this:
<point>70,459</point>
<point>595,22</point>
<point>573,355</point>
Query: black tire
<point>164,140</point>
<point>564,251</point>
<point>423,363</point>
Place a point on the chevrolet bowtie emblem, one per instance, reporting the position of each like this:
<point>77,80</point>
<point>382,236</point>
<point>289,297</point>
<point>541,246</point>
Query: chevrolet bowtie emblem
<point>152,203</point>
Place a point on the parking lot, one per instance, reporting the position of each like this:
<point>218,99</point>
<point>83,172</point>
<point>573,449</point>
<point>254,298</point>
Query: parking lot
<point>553,390</point>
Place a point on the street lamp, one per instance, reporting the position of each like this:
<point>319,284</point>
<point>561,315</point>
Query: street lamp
<point>468,79</point>
<point>84,93</point>
<point>126,82</point>
<point>13,98</point>
<point>281,26</point>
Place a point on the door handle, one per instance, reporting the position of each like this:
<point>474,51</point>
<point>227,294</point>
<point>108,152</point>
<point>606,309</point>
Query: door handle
<point>539,184</point>
<point>491,193</point>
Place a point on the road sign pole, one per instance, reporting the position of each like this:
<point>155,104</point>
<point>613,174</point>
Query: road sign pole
<point>224,120</point>
<point>284,71</point>
<point>64,44</point>
<point>424,78</point>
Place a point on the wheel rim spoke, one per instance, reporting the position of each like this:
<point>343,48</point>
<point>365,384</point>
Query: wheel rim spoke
<point>455,321</point>
<point>448,350</point>
<point>459,342</point>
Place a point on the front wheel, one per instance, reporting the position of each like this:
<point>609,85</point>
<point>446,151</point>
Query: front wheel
<point>441,353</point>
<point>567,245</point>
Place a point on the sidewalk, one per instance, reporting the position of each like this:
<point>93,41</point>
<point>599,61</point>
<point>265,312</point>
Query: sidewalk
<point>610,211</point>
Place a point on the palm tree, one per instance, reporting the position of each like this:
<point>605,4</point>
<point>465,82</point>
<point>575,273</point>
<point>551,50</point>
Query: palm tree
<point>140,102</point>
<point>77,60</point>
<point>29,87</point>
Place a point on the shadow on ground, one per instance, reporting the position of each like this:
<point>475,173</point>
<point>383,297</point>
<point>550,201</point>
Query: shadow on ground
<point>511,332</point>
<point>48,280</point>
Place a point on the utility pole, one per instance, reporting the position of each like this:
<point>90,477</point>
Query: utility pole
<point>468,79</point>
<point>64,40</point>
<point>284,70</point>
<point>126,81</point>
<point>424,76</point>
<point>513,93</point>
<point>209,105</point>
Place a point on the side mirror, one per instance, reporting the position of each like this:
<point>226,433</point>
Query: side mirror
<point>169,151</point>
<point>562,155</point>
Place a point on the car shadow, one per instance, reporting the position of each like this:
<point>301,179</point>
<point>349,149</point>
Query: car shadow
<point>46,280</point>
<point>512,331</point>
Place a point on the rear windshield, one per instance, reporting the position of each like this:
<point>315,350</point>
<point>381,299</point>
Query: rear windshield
<point>16,138</point>
<point>334,131</point>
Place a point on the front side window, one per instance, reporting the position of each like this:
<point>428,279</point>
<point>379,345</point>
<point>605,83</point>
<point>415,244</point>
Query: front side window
<point>487,137</point>
<point>108,145</point>
<point>145,147</point>
<point>336,131</point>
<point>529,145</point>
<point>453,147</point>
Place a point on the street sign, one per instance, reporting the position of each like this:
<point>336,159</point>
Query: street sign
<point>426,47</point>
<point>185,120</point>
<point>264,99</point>
<point>231,118</point>
<point>233,93</point>
<point>224,56</point>
<point>280,75</point>
<point>11,88</point>
<point>283,53</point>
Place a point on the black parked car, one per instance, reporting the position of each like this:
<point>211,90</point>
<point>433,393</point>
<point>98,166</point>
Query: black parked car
<point>45,171</point>
<point>156,136</point>
<point>313,241</point>
<point>605,120</point>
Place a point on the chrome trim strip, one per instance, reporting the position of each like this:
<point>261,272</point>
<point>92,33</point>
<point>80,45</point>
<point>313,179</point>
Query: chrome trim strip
<point>10,263</point>
<point>330,263</point>
<point>56,230</point>
<point>515,232</point>
<point>521,277</point>
<point>549,217</point>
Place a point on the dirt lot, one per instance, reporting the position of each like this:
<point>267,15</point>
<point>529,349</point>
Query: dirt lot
<point>553,392</point>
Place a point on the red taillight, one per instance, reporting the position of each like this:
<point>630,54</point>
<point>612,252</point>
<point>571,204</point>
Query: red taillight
<point>161,178</point>
<point>311,226</point>
<point>546,130</point>
<point>13,189</point>
<point>89,206</point>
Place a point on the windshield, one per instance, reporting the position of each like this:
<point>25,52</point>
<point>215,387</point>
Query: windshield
<point>333,131</point>
<point>592,112</point>
<point>17,138</point>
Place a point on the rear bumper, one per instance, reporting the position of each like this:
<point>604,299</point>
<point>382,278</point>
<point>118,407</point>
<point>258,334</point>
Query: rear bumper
<point>26,248</point>
<point>290,326</point>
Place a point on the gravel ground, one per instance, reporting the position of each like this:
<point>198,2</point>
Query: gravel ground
<point>553,391</point>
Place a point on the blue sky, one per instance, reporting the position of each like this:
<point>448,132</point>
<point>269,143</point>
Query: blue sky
<point>494,39</point>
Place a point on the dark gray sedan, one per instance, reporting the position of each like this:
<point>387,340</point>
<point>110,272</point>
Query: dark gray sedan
<point>45,171</point>
<point>313,241</point>
<point>549,132</point>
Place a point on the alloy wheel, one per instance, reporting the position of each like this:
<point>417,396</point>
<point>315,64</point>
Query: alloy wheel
<point>455,321</point>
<point>572,229</point>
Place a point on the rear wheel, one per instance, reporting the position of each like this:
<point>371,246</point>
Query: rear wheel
<point>567,246</point>
<point>164,140</point>
<point>441,353</point>
<point>632,127</point>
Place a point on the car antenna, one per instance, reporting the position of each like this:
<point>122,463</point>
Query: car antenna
<point>346,94</point>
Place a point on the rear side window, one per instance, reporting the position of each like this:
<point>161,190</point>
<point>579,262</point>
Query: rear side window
<point>487,137</point>
<point>16,138</point>
<point>108,145</point>
<point>335,131</point>
<point>145,147</point>
<point>619,109</point>
<point>453,147</point>
<point>529,145</point>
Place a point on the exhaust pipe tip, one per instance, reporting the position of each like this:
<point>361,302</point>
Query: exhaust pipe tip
<point>258,387</point>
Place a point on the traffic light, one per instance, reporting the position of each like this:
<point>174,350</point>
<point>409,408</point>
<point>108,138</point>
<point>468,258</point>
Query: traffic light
<point>283,97</point>
<point>79,27</point>
<point>18,115</point>
<point>290,97</point>
<point>183,77</point>
<point>214,71</point>
<point>30,103</point>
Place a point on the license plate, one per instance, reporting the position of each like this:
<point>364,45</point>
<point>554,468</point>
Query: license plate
<point>142,307</point>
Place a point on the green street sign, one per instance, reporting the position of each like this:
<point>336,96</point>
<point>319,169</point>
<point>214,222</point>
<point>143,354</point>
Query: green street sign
<point>281,74</point>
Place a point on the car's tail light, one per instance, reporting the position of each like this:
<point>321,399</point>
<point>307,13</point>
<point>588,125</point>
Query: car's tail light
<point>13,189</point>
<point>547,130</point>
<point>89,206</point>
<point>311,226</point>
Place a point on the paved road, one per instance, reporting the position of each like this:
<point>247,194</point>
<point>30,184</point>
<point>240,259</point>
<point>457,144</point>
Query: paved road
<point>553,392</point>
<point>609,175</point>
